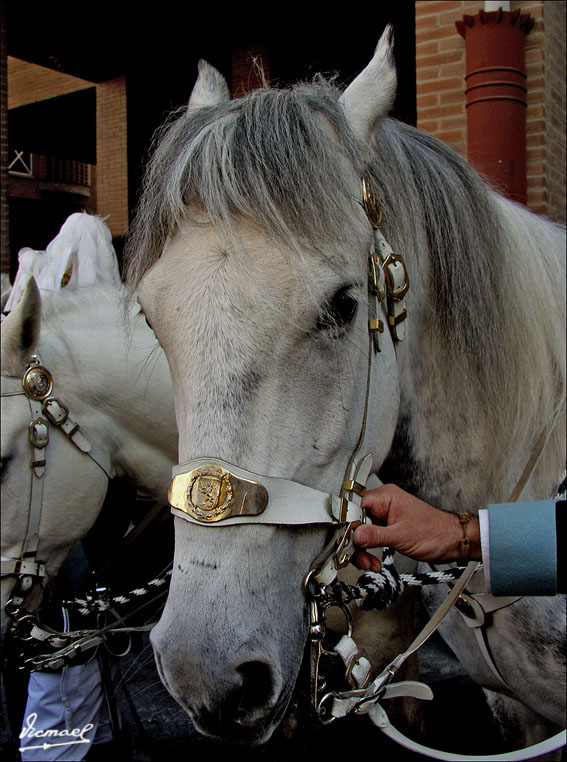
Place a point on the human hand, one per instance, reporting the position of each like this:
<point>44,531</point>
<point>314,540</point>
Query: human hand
<point>411,526</point>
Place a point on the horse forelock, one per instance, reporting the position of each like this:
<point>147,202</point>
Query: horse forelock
<point>276,159</point>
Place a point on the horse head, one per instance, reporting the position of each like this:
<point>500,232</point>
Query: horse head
<point>251,250</point>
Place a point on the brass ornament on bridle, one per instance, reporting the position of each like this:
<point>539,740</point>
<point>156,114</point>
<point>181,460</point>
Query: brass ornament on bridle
<point>370,203</point>
<point>210,493</point>
<point>37,382</point>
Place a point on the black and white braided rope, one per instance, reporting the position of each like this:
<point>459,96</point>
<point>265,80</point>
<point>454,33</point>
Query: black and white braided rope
<point>374,590</point>
<point>98,605</point>
<point>379,590</point>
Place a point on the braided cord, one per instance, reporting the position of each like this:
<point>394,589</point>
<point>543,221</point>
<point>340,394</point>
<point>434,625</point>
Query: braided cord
<point>86,606</point>
<point>380,590</point>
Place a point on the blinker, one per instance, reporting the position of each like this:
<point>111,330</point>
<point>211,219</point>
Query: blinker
<point>211,493</point>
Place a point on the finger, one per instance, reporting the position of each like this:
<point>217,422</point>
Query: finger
<point>366,561</point>
<point>377,503</point>
<point>370,536</point>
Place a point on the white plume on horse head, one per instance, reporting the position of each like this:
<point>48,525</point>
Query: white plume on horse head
<point>82,249</point>
<point>80,255</point>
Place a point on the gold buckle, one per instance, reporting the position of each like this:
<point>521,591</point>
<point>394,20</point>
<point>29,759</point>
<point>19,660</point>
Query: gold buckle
<point>210,493</point>
<point>351,486</point>
<point>400,292</point>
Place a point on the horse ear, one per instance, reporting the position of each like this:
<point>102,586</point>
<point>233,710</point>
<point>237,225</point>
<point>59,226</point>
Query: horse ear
<point>20,329</point>
<point>210,88</point>
<point>369,98</point>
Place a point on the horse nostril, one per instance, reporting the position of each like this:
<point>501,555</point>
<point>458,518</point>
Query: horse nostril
<point>257,688</point>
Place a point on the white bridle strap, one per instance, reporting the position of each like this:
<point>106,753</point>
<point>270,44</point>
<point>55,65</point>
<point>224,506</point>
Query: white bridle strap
<point>43,411</point>
<point>289,502</point>
<point>381,721</point>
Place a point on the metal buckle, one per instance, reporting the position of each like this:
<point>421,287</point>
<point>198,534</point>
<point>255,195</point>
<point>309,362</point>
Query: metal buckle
<point>55,411</point>
<point>39,433</point>
<point>397,292</point>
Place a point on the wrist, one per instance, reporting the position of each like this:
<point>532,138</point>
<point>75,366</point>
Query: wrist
<point>463,538</point>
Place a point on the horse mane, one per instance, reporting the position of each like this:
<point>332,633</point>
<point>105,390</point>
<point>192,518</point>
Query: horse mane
<point>485,272</point>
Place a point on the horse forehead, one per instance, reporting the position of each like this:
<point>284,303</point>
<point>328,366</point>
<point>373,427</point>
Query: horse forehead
<point>251,268</point>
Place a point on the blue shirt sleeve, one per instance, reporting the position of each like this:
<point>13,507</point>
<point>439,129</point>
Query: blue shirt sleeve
<point>523,548</point>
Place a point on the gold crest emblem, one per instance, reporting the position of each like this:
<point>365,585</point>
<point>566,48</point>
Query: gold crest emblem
<point>209,494</point>
<point>37,382</point>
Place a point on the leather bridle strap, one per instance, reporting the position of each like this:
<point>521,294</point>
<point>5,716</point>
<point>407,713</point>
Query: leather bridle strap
<point>37,385</point>
<point>250,498</point>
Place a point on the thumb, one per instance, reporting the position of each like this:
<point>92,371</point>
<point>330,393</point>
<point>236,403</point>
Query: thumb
<point>371,536</point>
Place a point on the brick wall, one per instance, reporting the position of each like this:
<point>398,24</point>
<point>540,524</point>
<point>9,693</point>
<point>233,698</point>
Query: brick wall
<point>4,210</point>
<point>111,155</point>
<point>440,69</point>
<point>440,73</point>
<point>29,83</point>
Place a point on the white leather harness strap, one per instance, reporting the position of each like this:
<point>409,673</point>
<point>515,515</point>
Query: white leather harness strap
<point>381,721</point>
<point>45,409</point>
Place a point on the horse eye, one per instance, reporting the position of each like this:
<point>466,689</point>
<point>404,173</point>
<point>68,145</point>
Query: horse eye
<point>338,312</point>
<point>143,314</point>
<point>4,466</point>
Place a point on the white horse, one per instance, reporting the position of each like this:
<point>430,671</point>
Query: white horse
<point>250,252</point>
<point>117,387</point>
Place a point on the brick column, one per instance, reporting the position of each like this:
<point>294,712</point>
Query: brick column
<point>4,207</point>
<point>111,155</point>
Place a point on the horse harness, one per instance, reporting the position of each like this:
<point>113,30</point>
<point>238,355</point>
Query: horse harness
<point>211,491</point>
<point>37,385</point>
